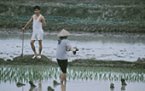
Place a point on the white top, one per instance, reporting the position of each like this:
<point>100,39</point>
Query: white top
<point>62,49</point>
<point>37,24</point>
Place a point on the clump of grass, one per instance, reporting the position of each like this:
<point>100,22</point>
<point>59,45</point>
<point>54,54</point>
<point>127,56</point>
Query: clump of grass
<point>27,60</point>
<point>106,63</point>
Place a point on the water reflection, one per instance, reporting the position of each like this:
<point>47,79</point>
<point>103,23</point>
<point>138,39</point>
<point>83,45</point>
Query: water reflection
<point>34,73</point>
<point>63,87</point>
<point>34,88</point>
<point>123,88</point>
<point>20,85</point>
<point>50,88</point>
<point>112,89</point>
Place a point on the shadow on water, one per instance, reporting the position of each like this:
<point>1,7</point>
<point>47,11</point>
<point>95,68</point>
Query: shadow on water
<point>27,73</point>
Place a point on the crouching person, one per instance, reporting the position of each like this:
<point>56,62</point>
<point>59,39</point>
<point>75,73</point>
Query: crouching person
<point>62,48</point>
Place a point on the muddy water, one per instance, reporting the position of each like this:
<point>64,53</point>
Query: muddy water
<point>99,46</point>
<point>78,79</point>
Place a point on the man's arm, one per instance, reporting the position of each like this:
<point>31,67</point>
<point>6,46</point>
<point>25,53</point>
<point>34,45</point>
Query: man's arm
<point>43,21</point>
<point>28,23</point>
<point>70,48</point>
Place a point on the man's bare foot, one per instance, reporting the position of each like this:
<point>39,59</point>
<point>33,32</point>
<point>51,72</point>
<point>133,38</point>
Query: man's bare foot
<point>34,56</point>
<point>39,56</point>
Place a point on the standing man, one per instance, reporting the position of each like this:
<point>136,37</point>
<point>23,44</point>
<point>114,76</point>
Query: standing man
<point>63,47</point>
<point>38,21</point>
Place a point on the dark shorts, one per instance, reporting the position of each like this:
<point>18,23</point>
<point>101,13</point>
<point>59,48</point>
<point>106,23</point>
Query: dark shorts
<point>63,65</point>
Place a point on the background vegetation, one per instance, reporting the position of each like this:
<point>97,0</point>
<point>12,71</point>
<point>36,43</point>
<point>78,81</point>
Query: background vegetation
<point>77,15</point>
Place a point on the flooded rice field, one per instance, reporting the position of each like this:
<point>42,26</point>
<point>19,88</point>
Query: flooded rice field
<point>97,46</point>
<point>123,46</point>
<point>78,78</point>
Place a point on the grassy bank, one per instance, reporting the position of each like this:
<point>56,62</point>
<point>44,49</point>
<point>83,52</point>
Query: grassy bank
<point>107,63</point>
<point>27,60</point>
<point>78,15</point>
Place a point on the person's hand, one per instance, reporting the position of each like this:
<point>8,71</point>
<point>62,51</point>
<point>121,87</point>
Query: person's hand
<point>75,50</point>
<point>23,29</point>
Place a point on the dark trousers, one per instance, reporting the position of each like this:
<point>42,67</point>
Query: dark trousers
<point>63,65</point>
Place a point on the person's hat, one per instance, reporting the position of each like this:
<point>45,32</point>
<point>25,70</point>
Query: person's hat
<point>63,33</point>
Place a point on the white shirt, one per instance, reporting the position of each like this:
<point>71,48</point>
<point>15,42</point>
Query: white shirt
<point>62,49</point>
<point>37,25</point>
